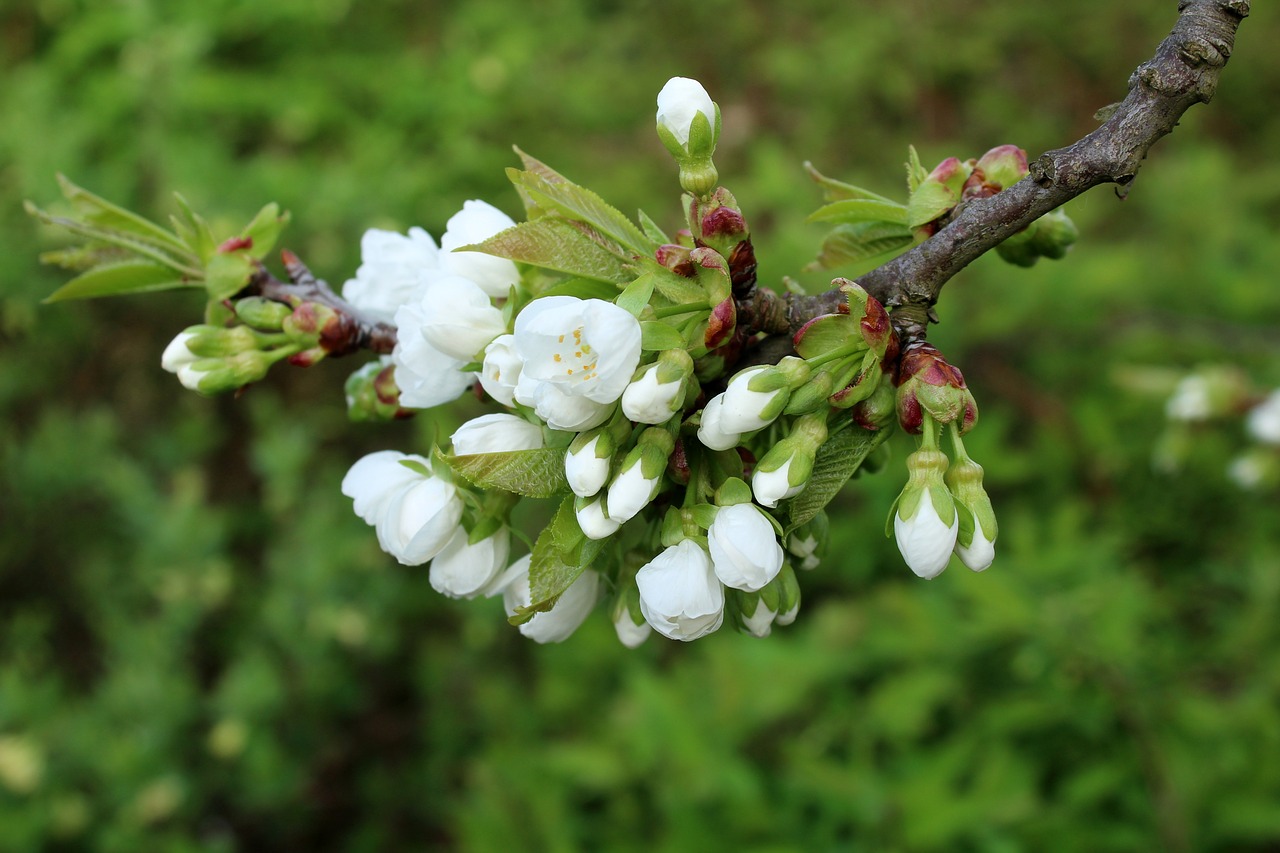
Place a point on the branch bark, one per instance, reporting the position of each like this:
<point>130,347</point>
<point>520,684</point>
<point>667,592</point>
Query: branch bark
<point>1183,72</point>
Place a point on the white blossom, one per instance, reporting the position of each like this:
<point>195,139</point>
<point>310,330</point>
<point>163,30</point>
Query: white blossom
<point>496,433</point>
<point>475,223</point>
<point>586,472</point>
<point>390,273</point>
<point>501,370</point>
<point>679,593</point>
<point>459,319</point>
<point>631,491</point>
<point>426,377</point>
<point>805,549</point>
<point>979,553</point>
<point>925,540</point>
<point>556,624</point>
<point>744,547</point>
<point>649,401</point>
<point>463,570</point>
<point>711,432</point>
<point>679,101</point>
<point>578,355</point>
<point>1263,420</point>
<point>770,487</point>
<point>594,522</point>
<point>744,410</point>
<point>760,622</point>
<point>629,633</point>
<point>414,514</point>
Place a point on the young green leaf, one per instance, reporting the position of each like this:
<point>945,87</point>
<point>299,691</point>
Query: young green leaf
<point>860,210</point>
<point>578,203</point>
<point>556,244</point>
<point>847,244</point>
<point>532,473</point>
<point>637,294</point>
<point>582,288</point>
<point>264,229</point>
<point>657,336</point>
<point>833,190</point>
<point>119,278</point>
<point>104,214</point>
<point>651,229</point>
<point>836,461</point>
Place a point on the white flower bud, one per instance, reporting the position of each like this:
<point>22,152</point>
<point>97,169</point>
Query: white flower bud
<point>463,570</point>
<point>593,521</point>
<point>585,470</point>
<point>631,491</point>
<point>501,370</point>
<point>760,622</point>
<point>629,633</point>
<point>711,432</point>
<point>925,539</point>
<point>650,401</point>
<point>556,624</point>
<point>414,514</point>
<point>177,355</point>
<point>496,433</point>
<point>773,486</point>
<point>979,553</point>
<point>679,593</point>
<point>1263,420</point>
<point>679,101</point>
<point>744,547</point>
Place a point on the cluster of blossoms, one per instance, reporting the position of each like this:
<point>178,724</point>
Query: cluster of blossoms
<point>1216,394</point>
<point>690,481</point>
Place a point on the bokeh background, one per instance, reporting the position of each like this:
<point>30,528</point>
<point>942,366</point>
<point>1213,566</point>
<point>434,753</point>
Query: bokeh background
<point>202,648</point>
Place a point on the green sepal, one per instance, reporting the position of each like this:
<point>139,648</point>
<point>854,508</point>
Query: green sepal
<point>916,172</point>
<point>733,491</point>
<point>835,462</point>
<point>264,229</point>
<point>705,514</point>
<point>119,278</point>
<point>656,336</point>
<point>636,295</point>
<point>193,230</point>
<point>651,229</point>
<point>827,334</point>
<point>532,473</point>
<point>417,467</point>
<point>558,244</point>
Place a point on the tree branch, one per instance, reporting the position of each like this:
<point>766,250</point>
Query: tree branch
<point>1183,72</point>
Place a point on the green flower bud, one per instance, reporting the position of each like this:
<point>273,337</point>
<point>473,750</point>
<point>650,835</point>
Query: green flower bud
<point>262,313</point>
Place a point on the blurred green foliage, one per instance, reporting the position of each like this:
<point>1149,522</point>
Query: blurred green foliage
<point>201,647</point>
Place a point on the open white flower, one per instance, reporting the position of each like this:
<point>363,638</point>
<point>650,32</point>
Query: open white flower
<point>501,370</point>
<point>414,514</point>
<point>680,100</point>
<point>578,356</point>
<point>496,433</point>
<point>475,223</point>
<point>459,318</point>
<point>463,570</point>
<point>570,611</point>
<point>744,547</point>
<point>426,376</point>
<point>390,273</point>
<point>679,593</point>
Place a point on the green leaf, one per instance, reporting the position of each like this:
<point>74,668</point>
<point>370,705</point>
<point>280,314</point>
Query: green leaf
<point>560,555</point>
<point>193,230</point>
<point>637,294</point>
<point>657,336</point>
<point>119,278</point>
<point>104,214</point>
<point>532,473</point>
<point>916,173</point>
<point>581,204</point>
<point>847,244</point>
<point>656,234</point>
<point>828,333</point>
<point>556,244</point>
<point>836,461</point>
<point>860,210</point>
<point>264,229</point>
<point>582,288</point>
<point>673,287</point>
<point>929,201</point>
<point>119,239</point>
<point>833,190</point>
<point>227,273</point>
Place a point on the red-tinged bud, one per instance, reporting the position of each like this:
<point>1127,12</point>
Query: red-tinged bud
<point>675,258</point>
<point>928,383</point>
<point>1003,166</point>
<point>877,331</point>
<point>705,256</point>
<point>877,411</point>
<point>685,238</point>
<point>307,357</point>
<point>678,464</point>
<point>721,323</point>
<point>385,387</point>
<point>235,244</point>
<point>742,269</point>
<point>723,224</point>
<point>947,171</point>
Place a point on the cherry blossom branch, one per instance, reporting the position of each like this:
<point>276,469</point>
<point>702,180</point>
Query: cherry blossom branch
<point>349,331</point>
<point>1183,72</point>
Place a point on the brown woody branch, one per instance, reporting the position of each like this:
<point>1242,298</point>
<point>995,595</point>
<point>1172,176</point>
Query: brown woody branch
<point>1183,72</point>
